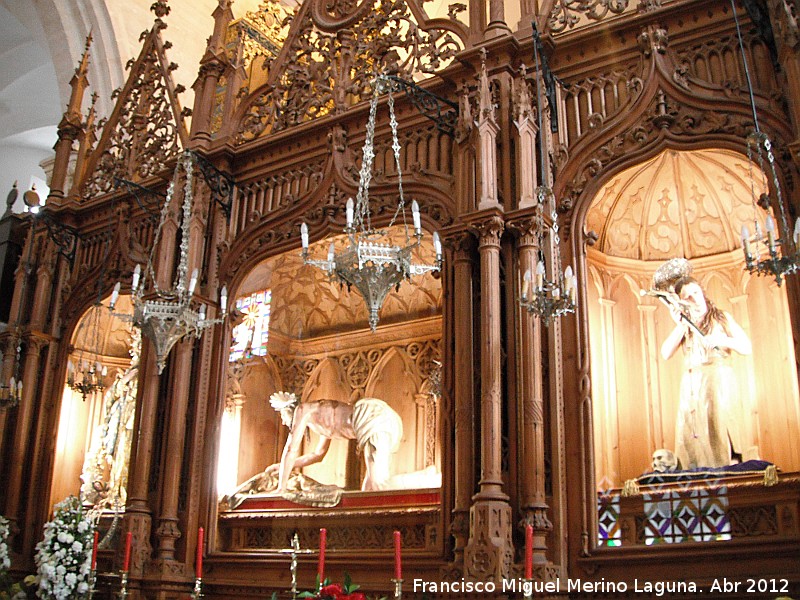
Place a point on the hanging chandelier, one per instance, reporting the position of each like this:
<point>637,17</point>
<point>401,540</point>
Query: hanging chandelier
<point>777,253</point>
<point>545,297</point>
<point>166,316</point>
<point>88,375</point>
<point>371,262</point>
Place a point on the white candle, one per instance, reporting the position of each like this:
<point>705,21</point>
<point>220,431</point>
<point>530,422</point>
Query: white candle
<point>349,212</point>
<point>114,295</point>
<point>437,245</point>
<point>568,279</point>
<point>203,312</point>
<point>797,232</point>
<point>223,299</point>
<point>193,282</point>
<point>330,253</point>
<point>304,235</point>
<point>526,284</point>
<point>539,275</point>
<point>136,274</point>
<point>771,233</point>
<point>746,240</point>
<point>415,216</point>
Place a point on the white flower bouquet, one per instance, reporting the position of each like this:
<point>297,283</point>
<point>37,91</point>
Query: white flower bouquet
<point>5,560</point>
<point>63,557</point>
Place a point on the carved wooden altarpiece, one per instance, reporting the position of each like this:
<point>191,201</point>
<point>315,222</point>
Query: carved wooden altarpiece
<point>522,430</point>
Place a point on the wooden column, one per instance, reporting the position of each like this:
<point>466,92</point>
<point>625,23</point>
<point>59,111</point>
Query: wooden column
<point>531,402</point>
<point>463,385</point>
<point>138,511</point>
<point>12,340</point>
<point>488,554</point>
<point>168,531</point>
<point>33,341</point>
<point>497,20</point>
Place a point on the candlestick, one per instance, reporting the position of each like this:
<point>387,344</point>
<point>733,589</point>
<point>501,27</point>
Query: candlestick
<point>197,592</point>
<point>92,579</point>
<point>527,589</point>
<point>198,563</point>
<point>398,588</point>
<point>398,562</point>
<point>123,587</point>
<point>94,549</point>
<point>323,535</point>
<point>528,551</point>
<point>127,562</point>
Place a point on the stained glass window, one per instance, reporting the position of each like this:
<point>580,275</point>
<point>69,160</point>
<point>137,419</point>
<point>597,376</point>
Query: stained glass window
<point>251,335</point>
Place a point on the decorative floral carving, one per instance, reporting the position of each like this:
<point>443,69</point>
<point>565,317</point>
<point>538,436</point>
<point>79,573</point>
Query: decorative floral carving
<point>334,54</point>
<point>145,133</point>
<point>567,14</point>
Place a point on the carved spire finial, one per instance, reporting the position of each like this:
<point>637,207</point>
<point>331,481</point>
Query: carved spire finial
<point>160,8</point>
<point>83,65</point>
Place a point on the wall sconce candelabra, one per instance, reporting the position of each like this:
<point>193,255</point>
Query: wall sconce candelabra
<point>166,316</point>
<point>371,262</point>
<point>777,253</point>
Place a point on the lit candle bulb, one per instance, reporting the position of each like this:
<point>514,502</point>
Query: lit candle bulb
<point>223,299</point>
<point>574,287</point>
<point>796,235</point>
<point>746,240</point>
<point>539,275</point>
<point>437,245</point>
<point>415,217</point>
<point>568,279</point>
<point>330,253</point>
<point>114,296</point>
<point>202,313</point>
<point>193,282</point>
<point>349,212</point>
<point>137,272</point>
<point>304,236</point>
<point>771,233</point>
<point>526,284</point>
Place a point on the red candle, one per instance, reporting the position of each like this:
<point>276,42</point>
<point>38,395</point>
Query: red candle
<point>528,552</point>
<point>398,564</point>
<point>323,535</point>
<point>198,565</point>
<point>127,562</point>
<point>94,550</point>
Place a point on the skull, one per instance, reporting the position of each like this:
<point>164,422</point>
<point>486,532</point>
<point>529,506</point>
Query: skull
<point>664,461</point>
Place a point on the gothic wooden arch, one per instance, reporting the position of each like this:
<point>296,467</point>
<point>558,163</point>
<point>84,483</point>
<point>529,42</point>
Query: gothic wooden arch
<point>672,109</point>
